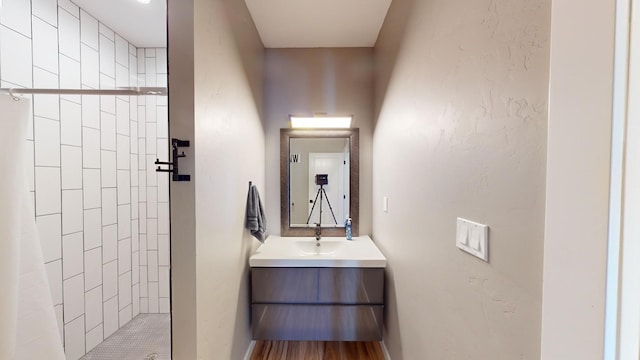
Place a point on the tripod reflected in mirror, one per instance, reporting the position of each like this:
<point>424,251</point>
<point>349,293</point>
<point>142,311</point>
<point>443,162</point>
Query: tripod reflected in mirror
<point>321,180</point>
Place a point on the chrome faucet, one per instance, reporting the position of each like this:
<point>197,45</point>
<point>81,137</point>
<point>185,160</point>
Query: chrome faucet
<point>318,233</point>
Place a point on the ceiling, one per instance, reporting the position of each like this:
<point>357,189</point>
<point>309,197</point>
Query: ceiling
<point>143,25</point>
<point>318,23</point>
<point>280,23</point>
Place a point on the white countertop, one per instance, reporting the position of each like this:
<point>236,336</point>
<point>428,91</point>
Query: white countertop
<point>303,252</point>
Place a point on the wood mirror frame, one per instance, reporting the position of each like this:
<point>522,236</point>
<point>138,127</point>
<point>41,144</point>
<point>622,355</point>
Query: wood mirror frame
<point>354,179</point>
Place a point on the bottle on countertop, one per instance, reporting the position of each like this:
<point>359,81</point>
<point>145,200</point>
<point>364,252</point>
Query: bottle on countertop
<point>347,226</point>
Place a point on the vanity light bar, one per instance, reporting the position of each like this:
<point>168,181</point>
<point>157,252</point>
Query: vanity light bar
<point>332,122</point>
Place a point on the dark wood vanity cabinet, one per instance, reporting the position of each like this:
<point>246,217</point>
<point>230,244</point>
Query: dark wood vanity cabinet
<point>324,304</point>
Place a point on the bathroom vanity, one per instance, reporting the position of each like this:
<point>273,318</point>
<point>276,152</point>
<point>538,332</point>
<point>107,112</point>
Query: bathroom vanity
<point>330,292</point>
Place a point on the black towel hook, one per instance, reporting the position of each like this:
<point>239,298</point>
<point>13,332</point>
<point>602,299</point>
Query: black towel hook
<point>173,166</point>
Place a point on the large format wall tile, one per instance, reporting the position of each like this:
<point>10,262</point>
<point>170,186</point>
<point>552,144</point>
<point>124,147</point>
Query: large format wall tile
<point>124,256</point>
<point>16,15</point>
<point>48,198</point>
<point>154,300</point>
<point>91,111</point>
<point>54,274</point>
<point>71,157</point>
<point>45,45</point>
<point>135,296</point>
<point>90,66</point>
<point>110,281</point>
<point>72,8</point>
<point>122,117</point>
<point>15,57</point>
<point>50,230</point>
<point>89,30</point>
<point>124,154</point>
<point>93,306</point>
<point>47,142</point>
<point>124,222</point>
<point>94,337</point>
<point>47,106</point>
<point>74,340</point>
<point>70,123</point>
<point>71,211</point>
<point>92,229</point>
<point>107,57</point>
<point>69,35</point>
<point>108,131</point>
<point>46,10</point>
<point>109,206</point>
<point>124,293</point>
<point>111,319</point>
<point>93,270</point>
<point>91,185</point>
<point>109,243</point>
<point>73,298</point>
<point>90,148</point>
<point>72,255</point>
<point>122,75</point>
<point>109,172</point>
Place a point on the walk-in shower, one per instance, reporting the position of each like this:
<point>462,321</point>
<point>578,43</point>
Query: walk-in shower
<point>99,122</point>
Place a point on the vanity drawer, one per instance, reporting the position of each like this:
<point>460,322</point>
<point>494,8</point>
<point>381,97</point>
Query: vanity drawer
<point>317,322</point>
<point>317,285</point>
<point>284,285</point>
<point>351,285</point>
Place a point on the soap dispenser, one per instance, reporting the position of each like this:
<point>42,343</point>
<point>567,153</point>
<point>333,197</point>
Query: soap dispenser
<point>347,226</point>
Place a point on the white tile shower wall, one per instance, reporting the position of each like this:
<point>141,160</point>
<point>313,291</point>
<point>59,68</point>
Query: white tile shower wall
<point>152,190</point>
<point>91,172</point>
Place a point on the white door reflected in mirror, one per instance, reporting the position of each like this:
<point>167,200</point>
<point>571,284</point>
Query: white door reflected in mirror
<point>328,199</point>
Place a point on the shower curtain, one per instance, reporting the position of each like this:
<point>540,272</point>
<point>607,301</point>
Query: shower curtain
<point>28,327</point>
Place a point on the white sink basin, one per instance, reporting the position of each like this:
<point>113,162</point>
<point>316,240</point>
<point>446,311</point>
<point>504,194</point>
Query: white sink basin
<point>315,247</point>
<point>304,252</point>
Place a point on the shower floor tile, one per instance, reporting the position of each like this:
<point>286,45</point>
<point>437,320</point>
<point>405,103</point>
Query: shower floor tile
<point>147,336</point>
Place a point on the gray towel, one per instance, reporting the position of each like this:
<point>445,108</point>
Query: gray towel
<point>256,221</point>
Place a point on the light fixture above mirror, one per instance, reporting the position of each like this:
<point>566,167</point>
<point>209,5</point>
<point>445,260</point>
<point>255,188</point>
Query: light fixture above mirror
<point>320,122</point>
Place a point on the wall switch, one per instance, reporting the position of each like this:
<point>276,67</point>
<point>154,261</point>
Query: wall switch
<point>473,238</point>
<point>385,204</point>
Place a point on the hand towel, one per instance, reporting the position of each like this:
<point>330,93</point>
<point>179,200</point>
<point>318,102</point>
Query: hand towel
<point>256,221</point>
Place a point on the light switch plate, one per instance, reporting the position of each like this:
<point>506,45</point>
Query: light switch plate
<point>385,204</point>
<point>473,238</point>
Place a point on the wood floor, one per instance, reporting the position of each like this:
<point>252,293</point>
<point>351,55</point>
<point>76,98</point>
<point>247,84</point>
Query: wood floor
<point>317,350</point>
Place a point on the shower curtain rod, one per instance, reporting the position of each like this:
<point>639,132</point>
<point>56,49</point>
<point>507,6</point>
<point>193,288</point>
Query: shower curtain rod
<point>130,91</point>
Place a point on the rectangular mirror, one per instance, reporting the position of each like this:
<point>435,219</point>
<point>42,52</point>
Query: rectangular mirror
<point>318,181</point>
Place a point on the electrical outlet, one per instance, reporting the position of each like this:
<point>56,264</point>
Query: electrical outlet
<point>473,238</point>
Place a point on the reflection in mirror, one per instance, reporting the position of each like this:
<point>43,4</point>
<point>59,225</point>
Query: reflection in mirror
<point>319,181</point>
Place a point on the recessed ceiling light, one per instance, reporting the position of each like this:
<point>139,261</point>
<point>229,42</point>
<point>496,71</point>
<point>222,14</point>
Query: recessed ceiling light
<point>321,122</point>
<point>144,1</point>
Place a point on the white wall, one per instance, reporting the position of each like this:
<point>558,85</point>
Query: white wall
<point>229,152</point>
<point>461,91</point>
<point>183,222</point>
<point>84,166</point>
<point>216,75</point>
<point>578,168</point>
